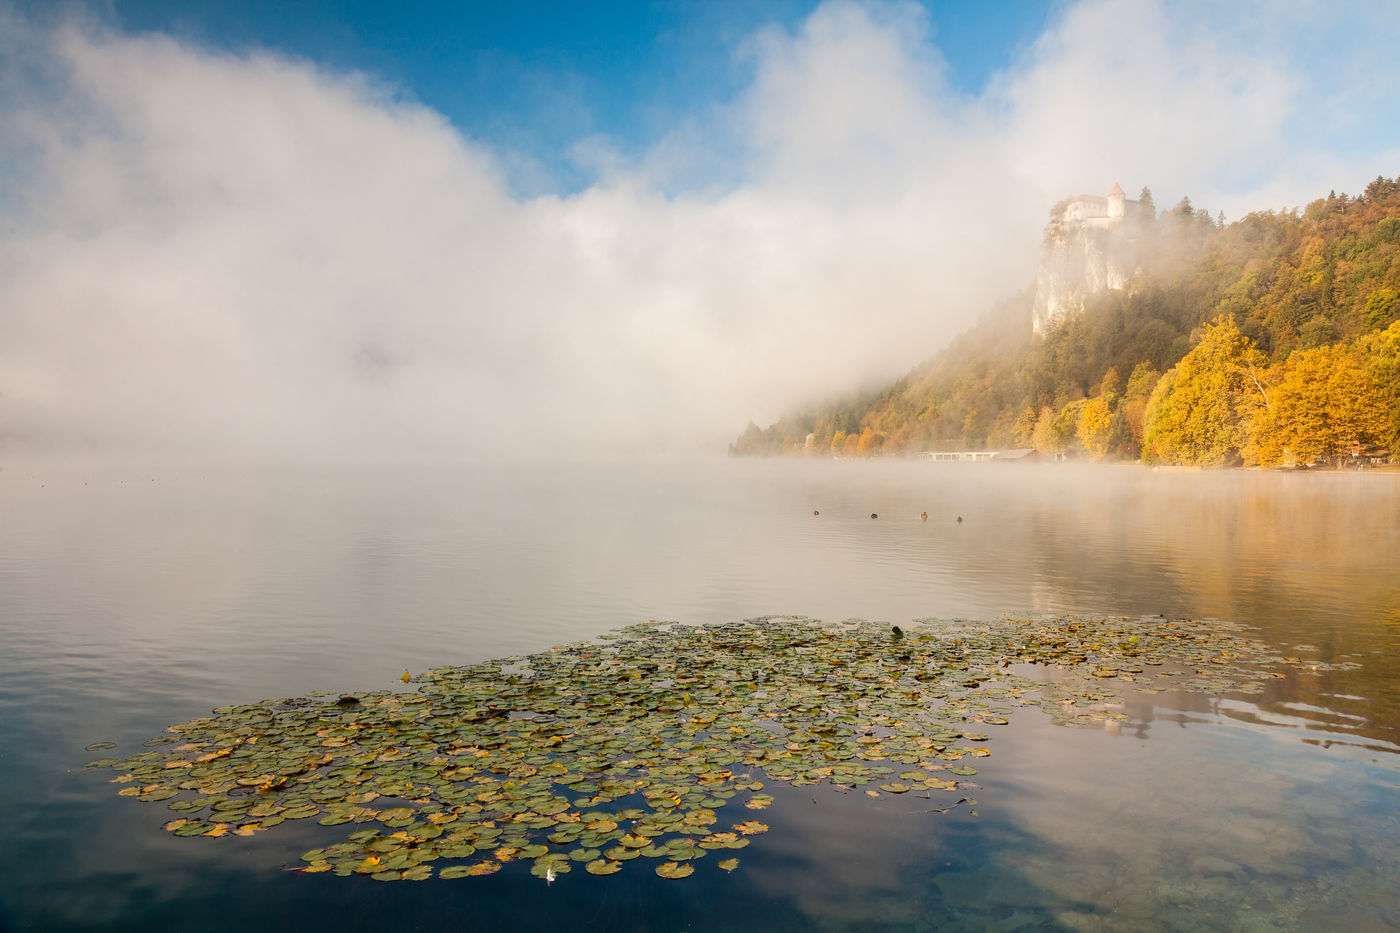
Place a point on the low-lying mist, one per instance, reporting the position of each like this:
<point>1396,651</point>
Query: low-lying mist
<point>210,256</point>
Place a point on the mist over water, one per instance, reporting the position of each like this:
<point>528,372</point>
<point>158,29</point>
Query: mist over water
<point>299,390</point>
<point>136,599</point>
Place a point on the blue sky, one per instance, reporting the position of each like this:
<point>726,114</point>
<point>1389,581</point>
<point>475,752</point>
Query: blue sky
<point>442,232</point>
<point>535,77</point>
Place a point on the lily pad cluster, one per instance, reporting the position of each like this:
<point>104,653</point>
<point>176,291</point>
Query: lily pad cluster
<point>654,743</point>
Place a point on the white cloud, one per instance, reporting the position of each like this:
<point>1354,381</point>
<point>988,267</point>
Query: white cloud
<point>243,256</point>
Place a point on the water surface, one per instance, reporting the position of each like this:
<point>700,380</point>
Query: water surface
<point>130,600</point>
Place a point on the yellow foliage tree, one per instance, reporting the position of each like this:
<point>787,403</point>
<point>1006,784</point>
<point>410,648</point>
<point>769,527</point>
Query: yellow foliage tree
<point>1197,414</point>
<point>1052,433</point>
<point>1381,355</point>
<point>1095,426</point>
<point>1323,403</point>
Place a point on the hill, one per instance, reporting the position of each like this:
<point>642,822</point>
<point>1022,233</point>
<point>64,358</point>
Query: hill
<point>1273,340</point>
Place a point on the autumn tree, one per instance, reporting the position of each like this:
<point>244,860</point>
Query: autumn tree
<point>1051,433</point>
<point>1323,403</point>
<point>1094,426</point>
<point>1197,414</point>
<point>1381,306</point>
<point>1381,355</point>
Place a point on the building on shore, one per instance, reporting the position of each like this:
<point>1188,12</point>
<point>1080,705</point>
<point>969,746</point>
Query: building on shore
<point>1018,455</point>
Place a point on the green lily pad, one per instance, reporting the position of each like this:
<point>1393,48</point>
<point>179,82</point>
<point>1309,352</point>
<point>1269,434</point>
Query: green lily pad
<point>602,867</point>
<point>680,718</point>
<point>675,870</point>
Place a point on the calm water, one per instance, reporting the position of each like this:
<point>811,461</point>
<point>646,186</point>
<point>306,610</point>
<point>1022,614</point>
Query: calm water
<point>130,600</point>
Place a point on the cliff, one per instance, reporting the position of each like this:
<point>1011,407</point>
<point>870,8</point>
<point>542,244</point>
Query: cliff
<point>1091,245</point>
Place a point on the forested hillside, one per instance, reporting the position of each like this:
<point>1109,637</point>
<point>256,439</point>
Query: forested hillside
<point>1273,340</point>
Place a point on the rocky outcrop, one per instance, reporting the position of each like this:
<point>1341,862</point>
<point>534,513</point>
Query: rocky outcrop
<point>1090,246</point>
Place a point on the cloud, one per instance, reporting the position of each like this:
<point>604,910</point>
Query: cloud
<point>247,257</point>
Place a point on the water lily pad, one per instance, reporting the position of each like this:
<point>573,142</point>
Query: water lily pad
<point>729,864</point>
<point>681,718</point>
<point>483,868</point>
<point>675,870</point>
<point>602,866</point>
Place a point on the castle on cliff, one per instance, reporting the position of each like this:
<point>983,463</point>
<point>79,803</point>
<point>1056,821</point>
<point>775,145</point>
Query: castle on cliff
<point>1101,213</point>
<point>1089,247</point>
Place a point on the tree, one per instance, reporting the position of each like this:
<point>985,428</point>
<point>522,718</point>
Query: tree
<point>1112,383</point>
<point>1380,353</point>
<point>1323,403</point>
<point>1050,434</point>
<point>1094,426</point>
<point>1146,206</point>
<point>1141,383</point>
<point>1380,306</point>
<point>1199,416</point>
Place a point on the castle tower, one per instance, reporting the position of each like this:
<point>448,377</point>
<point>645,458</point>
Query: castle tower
<point>1116,204</point>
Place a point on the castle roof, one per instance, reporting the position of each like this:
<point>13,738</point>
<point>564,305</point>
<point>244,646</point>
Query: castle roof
<point>1115,190</point>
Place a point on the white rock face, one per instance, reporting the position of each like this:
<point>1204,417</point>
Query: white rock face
<point>1089,248</point>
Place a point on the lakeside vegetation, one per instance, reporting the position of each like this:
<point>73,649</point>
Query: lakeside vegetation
<point>1270,341</point>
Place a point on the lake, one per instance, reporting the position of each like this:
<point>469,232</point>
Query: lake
<point>130,600</point>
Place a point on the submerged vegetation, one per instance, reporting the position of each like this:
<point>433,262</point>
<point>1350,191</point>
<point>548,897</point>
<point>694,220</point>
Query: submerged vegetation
<point>660,742</point>
<point>1273,340</point>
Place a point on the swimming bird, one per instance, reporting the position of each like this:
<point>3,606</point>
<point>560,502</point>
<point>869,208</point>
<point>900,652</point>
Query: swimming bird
<point>873,515</point>
<point>924,516</point>
<point>959,519</point>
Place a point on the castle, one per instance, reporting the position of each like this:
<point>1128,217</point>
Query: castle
<point>1090,210</point>
<point>1089,247</point>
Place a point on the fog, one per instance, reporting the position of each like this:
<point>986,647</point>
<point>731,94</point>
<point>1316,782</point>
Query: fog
<point>209,256</point>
